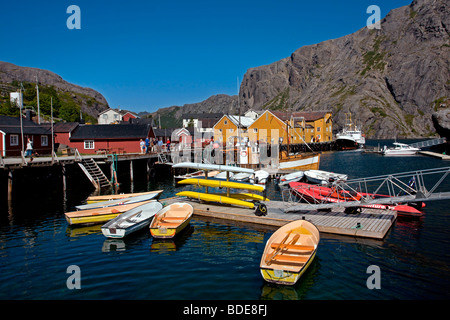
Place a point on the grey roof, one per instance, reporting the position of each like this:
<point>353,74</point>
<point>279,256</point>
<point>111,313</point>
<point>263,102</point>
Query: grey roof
<point>111,131</point>
<point>12,125</point>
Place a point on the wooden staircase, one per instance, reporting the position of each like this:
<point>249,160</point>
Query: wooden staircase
<point>94,173</point>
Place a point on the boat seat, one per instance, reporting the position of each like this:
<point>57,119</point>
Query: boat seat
<point>172,218</point>
<point>289,258</point>
<point>167,225</point>
<point>292,246</point>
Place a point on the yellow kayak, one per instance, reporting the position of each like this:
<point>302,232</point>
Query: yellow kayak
<point>243,196</point>
<point>215,198</point>
<point>222,184</point>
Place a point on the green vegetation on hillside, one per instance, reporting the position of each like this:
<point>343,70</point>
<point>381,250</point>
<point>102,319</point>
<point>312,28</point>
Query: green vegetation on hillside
<point>65,106</point>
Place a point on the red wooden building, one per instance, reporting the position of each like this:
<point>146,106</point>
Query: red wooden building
<point>118,138</point>
<point>11,136</point>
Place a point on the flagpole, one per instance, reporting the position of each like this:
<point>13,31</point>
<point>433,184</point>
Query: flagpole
<point>53,140</point>
<point>20,116</point>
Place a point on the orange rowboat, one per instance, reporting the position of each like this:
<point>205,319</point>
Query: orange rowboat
<point>289,252</point>
<point>171,220</point>
<point>99,215</point>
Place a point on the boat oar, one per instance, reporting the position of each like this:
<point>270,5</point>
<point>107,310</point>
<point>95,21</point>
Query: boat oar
<point>279,247</point>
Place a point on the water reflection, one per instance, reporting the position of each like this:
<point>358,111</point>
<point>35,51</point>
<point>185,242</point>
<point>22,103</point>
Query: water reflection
<point>174,244</point>
<point>298,291</point>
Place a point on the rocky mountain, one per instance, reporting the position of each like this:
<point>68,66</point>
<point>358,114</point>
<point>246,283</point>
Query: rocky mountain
<point>90,101</point>
<point>391,79</point>
<point>220,103</point>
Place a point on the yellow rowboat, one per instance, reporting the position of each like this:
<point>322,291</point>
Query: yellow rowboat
<point>222,184</point>
<point>216,198</point>
<point>289,252</point>
<point>99,215</point>
<point>171,220</point>
<point>109,197</point>
<point>243,196</point>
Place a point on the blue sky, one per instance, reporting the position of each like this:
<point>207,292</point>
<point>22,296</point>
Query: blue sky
<point>143,55</point>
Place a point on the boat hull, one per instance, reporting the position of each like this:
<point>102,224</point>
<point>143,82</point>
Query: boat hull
<point>168,233</point>
<point>347,144</point>
<point>123,232</point>
<point>300,162</point>
<point>285,277</point>
<point>110,197</point>
<point>86,220</point>
<point>101,215</point>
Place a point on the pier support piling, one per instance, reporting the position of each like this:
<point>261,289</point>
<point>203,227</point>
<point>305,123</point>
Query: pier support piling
<point>10,186</point>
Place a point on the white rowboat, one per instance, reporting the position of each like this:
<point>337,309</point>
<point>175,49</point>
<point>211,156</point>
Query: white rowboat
<point>131,220</point>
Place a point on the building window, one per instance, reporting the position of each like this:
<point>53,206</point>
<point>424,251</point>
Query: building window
<point>225,121</point>
<point>230,130</point>
<point>44,140</point>
<point>255,130</point>
<point>89,144</point>
<point>318,129</point>
<point>14,140</point>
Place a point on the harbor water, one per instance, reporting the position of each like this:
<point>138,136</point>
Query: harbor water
<point>215,259</point>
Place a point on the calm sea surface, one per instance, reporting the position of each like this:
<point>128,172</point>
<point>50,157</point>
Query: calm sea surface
<point>217,260</point>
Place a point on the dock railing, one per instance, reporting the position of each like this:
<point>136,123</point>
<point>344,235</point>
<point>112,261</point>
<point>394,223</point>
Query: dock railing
<point>412,186</point>
<point>428,143</point>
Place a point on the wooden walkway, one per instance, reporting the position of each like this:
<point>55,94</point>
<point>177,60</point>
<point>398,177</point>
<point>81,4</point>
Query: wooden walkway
<point>370,223</point>
<point>435,154</point>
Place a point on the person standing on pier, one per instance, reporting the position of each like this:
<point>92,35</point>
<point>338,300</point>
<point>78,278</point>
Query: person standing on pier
<point>142,146</point>
<point>147,145</point>
<point>29,150</point>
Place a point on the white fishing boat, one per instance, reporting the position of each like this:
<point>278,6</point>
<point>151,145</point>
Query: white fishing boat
<point>351,136</point>
<point>291,177</point>
<point>131,220</point>
<point>323,177</point>
<point>400,149</point>
<point>242,177</point>
<point>260,177</point>
<point>223,175</point>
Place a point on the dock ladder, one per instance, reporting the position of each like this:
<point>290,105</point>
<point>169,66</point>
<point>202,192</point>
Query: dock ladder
<point>162,158</point>
<point>94,173</point>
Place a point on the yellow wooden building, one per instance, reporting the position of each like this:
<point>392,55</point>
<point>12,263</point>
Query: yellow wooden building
<point>292,127</point>
<point>226,129</point>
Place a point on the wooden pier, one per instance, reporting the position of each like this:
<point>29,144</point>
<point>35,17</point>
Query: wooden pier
<point>369,223</point>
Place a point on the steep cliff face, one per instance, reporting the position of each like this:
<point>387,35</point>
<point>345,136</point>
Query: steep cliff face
<point>91,101</point>
<point>391,79</point>
<point>220,103</point>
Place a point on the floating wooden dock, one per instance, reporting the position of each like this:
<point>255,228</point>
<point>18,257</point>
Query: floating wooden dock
<point>435,154</point>
<point>369,223</point>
